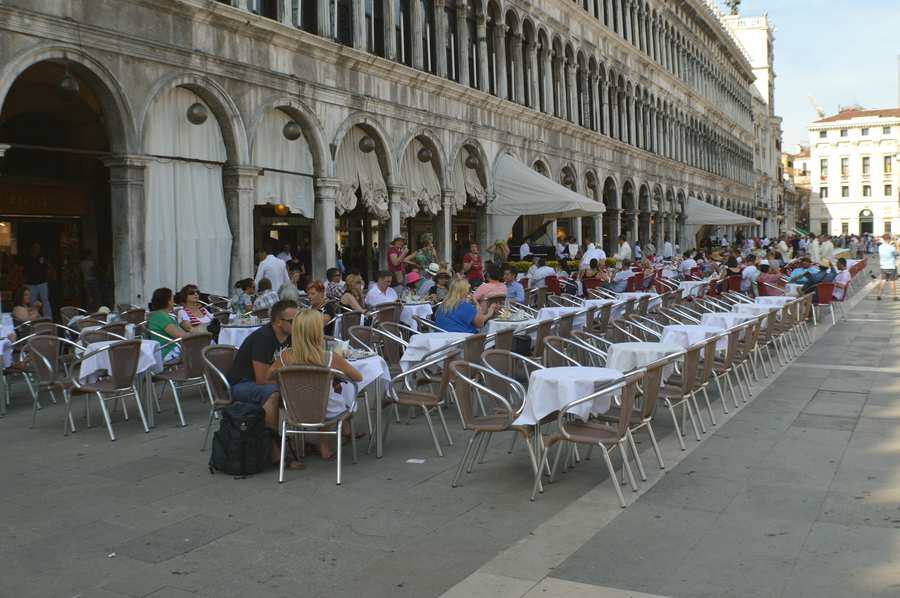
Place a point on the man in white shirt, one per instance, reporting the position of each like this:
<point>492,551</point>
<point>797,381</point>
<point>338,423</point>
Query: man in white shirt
<point>561,250</point>
<point>826,248</point>
<point>593,253</point>
<point>274,269</point>
<point>887,259</point>
<point>749,275</point>
<point>536,280</point>
<point>813,250</point>
<point>381,292</point>
<point>285,254</point>
<point>668,251</point>
<point>687,264</point>
<point>620,280</point>
<point>624,252</point>
<point>841,280</point>
<point>524,250</point>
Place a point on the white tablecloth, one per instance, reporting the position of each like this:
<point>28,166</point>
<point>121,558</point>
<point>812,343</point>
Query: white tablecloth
<point>552,389</point>
<point>5,344</point>
<point>691,288</point>
<point>371,368</point>
<point>150,359</point>
<point>754,309</point>
<point>494,326</point>
<point>551,313</point>
<point>723,321</point>
<point>775,301</point>
<point>423,310</point>
<point>425,342</point>
<point>235,335</point>
<point>686,335</point>
<point>793,289</point>
<point>631,356</point>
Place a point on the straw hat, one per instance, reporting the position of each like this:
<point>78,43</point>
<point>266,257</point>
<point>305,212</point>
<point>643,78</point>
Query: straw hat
<point>433,269</point>
<point>825,262</point>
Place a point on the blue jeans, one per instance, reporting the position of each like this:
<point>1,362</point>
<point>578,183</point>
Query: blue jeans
<point>247,391</point>
<point>40,292</point>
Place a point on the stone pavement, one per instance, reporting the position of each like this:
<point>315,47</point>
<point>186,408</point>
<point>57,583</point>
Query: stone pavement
<point>796,494</point>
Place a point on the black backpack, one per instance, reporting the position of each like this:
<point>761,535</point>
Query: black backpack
<point>243,444</point>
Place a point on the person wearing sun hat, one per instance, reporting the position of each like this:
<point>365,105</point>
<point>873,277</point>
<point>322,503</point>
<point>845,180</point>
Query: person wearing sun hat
<point>824,273</point>
<point>426,282</point>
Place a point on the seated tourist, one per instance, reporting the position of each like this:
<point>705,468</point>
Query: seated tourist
<point>767,276</point>
<point>353,293</point>
<point>687,264</point>
<point>315,293</point>
<point>242,302</point>
<point>492,287</point>
<point>381,292</point>
<point>841,279</point>
<point>266,297</point>
<point>441,286</point>
<point>514,289</point>
<point>249,374</point>
<point>458,314</point>
<point>620,280</point>
<point>426,282</point>
<point>537,279</point>
<point>23,310</point>
<point>748,275</point>
<point>798,273</point>
<point>334,286</point>
<point>191,316</point>
<point>307,347</point>
<point>824,273</point>
<point>161,326</point>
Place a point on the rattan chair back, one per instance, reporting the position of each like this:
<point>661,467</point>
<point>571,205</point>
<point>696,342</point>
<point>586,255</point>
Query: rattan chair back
<point>217,361</point>
<point>305,390</point>
<point>124,357</point>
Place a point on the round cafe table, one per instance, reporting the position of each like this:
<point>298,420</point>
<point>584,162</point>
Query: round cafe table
<point>495,325</point>
<point>725,320</point>
<point>686,335</point>
<point>551,389</point>
<point>754,309</point>
<point>235,335</point>
<point>691,288</point>
<point>424,343</point>
<point>423,310</point>
<point>551,313</point>
<point>372,369</point>
<point>631,356</point>
<point>776,301</point>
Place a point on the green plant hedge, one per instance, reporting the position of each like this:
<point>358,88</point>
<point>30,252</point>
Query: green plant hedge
<point>522,266</point>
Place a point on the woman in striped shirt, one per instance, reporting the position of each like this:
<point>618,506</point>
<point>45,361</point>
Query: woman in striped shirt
<point>191,315</point>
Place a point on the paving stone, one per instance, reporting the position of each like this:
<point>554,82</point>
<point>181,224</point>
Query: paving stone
<point>177,539</point>
<point>824,422</point>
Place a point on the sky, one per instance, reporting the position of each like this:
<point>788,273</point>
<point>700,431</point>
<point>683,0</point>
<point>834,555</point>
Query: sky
<point>838,51</point>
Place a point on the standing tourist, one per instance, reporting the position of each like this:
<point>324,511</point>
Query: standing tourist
<point>472,266</point>
<point>397,258</point>
<point>624,252</point>
<point>887,259</point>
<point>36,273</point>
<point>273,268</point>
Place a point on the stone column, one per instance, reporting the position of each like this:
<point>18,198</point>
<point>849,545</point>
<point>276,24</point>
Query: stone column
<point>637,129</point>
<point>239,184</point>
<point>629,102</point>
<point>462,44</point>
<point>596,113</point>
<point>358,10</point>
<point>598,230</point>
<point>444,230</point>
<point>395,192</point>
<point>501,87</point>
<point>578,236</point>
<point>614,115</point>
<point>547,81</point>
<point>519,66</point>
<point>605,108</point>
<point>620,17</point>
<point>416,33</point>
<point>390,24</point>
<point>441,30</point>
<point>533,95</point>
<point>323,16</point>
<point>126,181</point>
<point>627,31</point>
<point>285,13</point>
<point>481,29</point>
<point>615,229</point>
<point>323,233</point>
<point>573,92</point>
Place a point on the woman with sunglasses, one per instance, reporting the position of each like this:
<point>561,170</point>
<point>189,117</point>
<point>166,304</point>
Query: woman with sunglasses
<point>191,315</point>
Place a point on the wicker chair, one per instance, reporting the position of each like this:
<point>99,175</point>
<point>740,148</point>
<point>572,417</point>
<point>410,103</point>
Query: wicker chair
<point>42,352</point>
<point>217,360</point>
<point>679,391</point>
<point>305,391</point>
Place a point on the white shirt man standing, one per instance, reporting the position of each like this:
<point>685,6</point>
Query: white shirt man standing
<point>593,253</point>
<point>624,252</point>
<point>826,248</point>
<point>668,252</point>
<point>524,250</point>
<point>273,268</point>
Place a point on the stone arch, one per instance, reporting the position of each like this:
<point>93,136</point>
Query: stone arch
<point>569,174</point>
<point>386,159</point>
<point>542,166</point>
<point>429,140</point>
<point>121,128</point>
<point>234,133</point>
<point>309,123</point>
<point>592,186</point>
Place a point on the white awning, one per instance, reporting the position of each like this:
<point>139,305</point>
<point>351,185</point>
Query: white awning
<point>699,212</point>
<point>520,191</point>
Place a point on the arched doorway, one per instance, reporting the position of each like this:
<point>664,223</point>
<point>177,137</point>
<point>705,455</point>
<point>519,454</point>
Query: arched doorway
<point>611,223</point>
<point>57,127</point>
<point>363,202</point>
<point>629,213</point>
<point>422,167</point>
<point>285,193</point>
<point>866,223</point>
<point>567,228</point>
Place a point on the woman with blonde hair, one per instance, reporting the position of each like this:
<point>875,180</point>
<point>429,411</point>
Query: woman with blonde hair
<point>353,293</point>
<point>458,314</point>
<point>308,348</point>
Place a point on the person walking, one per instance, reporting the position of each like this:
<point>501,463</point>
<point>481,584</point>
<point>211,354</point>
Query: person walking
<point>36,273</point>
<point>887,260</point>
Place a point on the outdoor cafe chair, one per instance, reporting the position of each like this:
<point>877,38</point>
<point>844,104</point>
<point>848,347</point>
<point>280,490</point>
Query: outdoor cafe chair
<point>503,339</point>
<point>389,312</point>
<point>67,313</point>
<point>217,360</point>
<point>679,390</point>
<point>189,372</point>
<point>824,298</point>
<point>600,322</point>
<point>486,412</point>
<point>564,325</point>
<point>426,325</point>
<point>566,352</point>
<point>305,391</point>
<point>724,365</point>
<point>403,390</point>
<point>118,384</point>
<point>609,436</point>
<point>42,352</point>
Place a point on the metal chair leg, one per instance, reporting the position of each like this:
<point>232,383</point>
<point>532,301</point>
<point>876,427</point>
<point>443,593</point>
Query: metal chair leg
<point>659,457</point>
<point>283,451</point>
<point>637,457</point>
<point>444,424</point>
<point>338,439</point>
<point>612,476</point>
<point>177,402</point>
<point>437,445</point>
<point>105,413</point>
<point>624,453</point>
<point>465,457</point>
